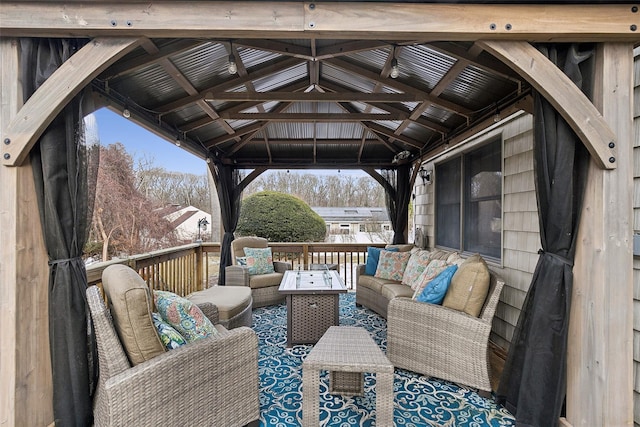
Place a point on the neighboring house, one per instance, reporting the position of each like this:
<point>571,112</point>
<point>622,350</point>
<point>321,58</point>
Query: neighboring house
<point>185,220</point>
<point>356,224</point>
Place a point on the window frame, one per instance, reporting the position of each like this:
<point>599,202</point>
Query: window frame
<point>462,158</point>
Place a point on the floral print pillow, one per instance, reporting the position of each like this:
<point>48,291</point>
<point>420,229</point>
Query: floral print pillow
<point>434,268</point>
<point>416,265</point>
<point>259,260</point>
<point>392,265</point>
<point>185,316</point>
<point>168,335</point>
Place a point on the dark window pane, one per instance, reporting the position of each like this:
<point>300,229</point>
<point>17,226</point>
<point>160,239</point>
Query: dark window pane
<point>448,179</point>
<point>483,200</point>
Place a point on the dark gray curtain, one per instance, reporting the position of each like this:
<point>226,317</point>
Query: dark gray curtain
<point>533,383</point>
<point>397,197</point>
<point>227,180</point>
<point>63,181</point>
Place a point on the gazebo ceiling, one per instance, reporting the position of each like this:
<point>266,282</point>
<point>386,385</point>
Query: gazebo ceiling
<point>310,103</point>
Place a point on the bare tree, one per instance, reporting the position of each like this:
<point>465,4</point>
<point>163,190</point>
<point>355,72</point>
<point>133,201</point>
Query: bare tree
<point>124,219</point>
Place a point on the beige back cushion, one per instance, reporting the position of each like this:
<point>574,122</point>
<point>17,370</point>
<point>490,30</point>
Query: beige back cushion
<point>469,286</point>
<point>131,304</point>
<point>238,245</point>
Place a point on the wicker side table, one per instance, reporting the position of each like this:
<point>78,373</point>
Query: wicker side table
<point>346,352</point>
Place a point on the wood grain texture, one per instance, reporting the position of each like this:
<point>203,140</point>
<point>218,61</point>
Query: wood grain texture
<point>600,354</point>
<point>35,115</point>
<point>25,366</point>
<point>322,20</point>
<point>585,120</point>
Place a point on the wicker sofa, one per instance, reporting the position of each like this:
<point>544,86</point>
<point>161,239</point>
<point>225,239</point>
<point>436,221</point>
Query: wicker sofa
<point>433,339</point>
<point>209,382</point>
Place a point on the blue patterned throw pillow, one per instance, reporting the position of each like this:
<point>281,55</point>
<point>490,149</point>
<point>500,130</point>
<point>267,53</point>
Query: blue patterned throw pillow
<point>168,335</point>
<point>373,257</point>
<point>185,316</point>
<point>436,289</point>
<point>259,260</point>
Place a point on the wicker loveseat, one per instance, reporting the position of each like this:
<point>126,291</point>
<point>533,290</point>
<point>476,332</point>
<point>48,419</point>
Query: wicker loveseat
<point>433,339</point>
<point>441,342</point>
<point>209,382</point>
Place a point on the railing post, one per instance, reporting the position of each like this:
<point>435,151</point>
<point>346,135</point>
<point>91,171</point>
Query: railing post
<point>199,273</point>
<point>305,256</point>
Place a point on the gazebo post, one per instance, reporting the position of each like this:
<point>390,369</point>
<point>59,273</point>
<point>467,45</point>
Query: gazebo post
<point>25,366</point>
<point>600,352</point>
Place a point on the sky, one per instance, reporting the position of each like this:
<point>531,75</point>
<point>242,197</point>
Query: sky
<point>140,143</point>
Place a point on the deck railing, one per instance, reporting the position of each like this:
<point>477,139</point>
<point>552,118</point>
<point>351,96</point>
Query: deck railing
<point>193,267</point>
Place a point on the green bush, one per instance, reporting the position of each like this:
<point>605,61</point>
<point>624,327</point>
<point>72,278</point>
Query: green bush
<point>279,217</point>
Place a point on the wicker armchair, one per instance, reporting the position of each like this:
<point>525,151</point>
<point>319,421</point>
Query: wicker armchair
<point>440,342</point>
<point>264,287</point>
<point>210,382</point>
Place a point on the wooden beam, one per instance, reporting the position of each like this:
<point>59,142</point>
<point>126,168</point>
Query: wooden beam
<point>346,20</point>
<point>312,117</point>
<point>26,389</point>
<point>585,120</point>
<point>310,141</point>
<point>472,21</point>
<point>143,61</point>
<point>394,83</point>
<point>349,47</point>
<point>600,346</point>
<point>42,107</point>
<point>229,84</point>
<point>398,109</point>
<point>275,46</point>
<point>315,97</point>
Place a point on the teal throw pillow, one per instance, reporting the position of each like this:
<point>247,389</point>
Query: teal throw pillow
<point>185,316</point>
<point>436,289</point>
<point>168,335</point>
<point>373,257</point>
<point>259,260</point>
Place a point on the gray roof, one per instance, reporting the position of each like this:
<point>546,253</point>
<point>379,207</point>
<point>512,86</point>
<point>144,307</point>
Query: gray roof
<point>310,103</point>
<point>354,214</point>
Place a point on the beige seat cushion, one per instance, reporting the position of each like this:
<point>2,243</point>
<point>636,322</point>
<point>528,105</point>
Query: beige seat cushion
<point>469,286</point>
<point>265,280</point>
<point>230,300</point>
<point>374,283</point>
<point>392,291</point>
<point>131,305</point>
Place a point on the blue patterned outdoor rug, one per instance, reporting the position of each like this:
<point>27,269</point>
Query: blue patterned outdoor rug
<point>418,400</point>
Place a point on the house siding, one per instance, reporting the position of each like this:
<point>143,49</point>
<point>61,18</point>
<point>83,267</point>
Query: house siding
<point>636,229</point>
<point>521,236</point>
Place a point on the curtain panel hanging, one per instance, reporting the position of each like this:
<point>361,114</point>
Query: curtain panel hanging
<point>397,197</point>
<point>533,383</point>
<point>65,172</point>
<point>227,180</point>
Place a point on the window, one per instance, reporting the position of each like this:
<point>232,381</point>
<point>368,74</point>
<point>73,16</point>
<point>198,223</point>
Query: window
<point>469,201</point>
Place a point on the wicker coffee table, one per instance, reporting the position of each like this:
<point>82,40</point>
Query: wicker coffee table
<point>347,352</point>
<point>312,303</point>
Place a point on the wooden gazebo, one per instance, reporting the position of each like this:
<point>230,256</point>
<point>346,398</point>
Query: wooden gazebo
<point>336,47</point>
